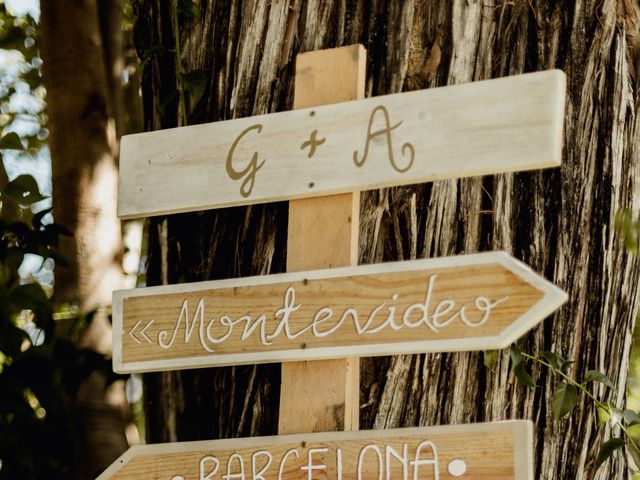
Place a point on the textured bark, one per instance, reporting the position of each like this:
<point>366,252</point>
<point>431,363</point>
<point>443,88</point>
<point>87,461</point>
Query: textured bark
<point>559,221</point>
<point>81,50</point>
<point>81,104</point>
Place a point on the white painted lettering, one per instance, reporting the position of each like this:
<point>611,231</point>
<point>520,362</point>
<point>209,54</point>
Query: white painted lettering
<point>392,453</point>
<point>188,326</point>
<point>442,309</point>
<point>250,328</point>
<point>422,307</point>
<point>432,462</point>
<point>325,322</point>
<point>378,453</point>
<point>310,466</point>
<point>226,322</point>
<point>259,474</point>
<point>204,474</point>
<point>292,451</point>
<point>285,312</point>
<point>365,329</point>
<point>484,305</point>
<point>239,475</point>
<point>322,316</point>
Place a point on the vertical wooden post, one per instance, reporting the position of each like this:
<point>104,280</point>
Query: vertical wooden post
<point>323,233</point>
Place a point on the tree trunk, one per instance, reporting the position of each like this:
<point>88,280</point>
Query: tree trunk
<point>82,55</point>
<point>559,221</point>
<point>81,105</point>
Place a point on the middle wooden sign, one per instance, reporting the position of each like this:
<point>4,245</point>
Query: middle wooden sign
<point>469,302</point>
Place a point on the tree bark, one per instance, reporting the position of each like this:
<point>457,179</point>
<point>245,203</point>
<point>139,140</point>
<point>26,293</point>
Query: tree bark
<point>82,65</point>
<point>559,221</point>
<point>84,147</point>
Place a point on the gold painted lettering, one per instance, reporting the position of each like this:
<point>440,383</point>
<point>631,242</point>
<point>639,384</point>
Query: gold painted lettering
<point>249,173</point>
<point>386,131</point>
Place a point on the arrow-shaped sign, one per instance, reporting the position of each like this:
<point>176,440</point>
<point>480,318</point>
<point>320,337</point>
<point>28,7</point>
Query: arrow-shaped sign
<point>504,125</point>
<point>468,302</point>
<point>496,451</point>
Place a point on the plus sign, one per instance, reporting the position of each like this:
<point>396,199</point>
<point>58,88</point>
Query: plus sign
<point>312,143</point>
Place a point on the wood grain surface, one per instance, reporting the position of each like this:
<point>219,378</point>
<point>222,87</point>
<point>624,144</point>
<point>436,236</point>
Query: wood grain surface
<point>467,302</point>
<point>504,125</point>
<point>328,227</point>
<point>483,451</point>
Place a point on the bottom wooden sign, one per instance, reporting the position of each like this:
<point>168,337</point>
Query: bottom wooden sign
<point>496,451</point>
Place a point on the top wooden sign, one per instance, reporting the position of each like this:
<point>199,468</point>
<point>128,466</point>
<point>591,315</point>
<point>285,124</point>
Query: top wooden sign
<point>504,125</point>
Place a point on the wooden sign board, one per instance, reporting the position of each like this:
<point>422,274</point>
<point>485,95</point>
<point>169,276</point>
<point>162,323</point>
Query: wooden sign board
<point>496,451</point>
<point>504,125</point>
<point>468,302</point>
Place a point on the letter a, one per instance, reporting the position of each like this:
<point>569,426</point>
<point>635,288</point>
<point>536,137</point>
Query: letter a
<point>386,131</point>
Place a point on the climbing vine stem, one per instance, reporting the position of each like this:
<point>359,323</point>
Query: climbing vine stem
<point>565,398</point>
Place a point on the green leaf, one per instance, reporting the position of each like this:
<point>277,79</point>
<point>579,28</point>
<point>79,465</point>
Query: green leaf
<point>195,83</point>
<point>607,449</point>
<point>622,219</point>
<point>565,397</point>
<point>516,356</point>
<point>23,190</point>
<point>11,141</point>
<point>556,360</point>
<point>596,376</point>
<point>30,296</point>
<point>603,415</point>
<point>553,359</point>
<point>628,228</point>
<point>523,376</point>
<point>490,359</point>
<point>631,418</point>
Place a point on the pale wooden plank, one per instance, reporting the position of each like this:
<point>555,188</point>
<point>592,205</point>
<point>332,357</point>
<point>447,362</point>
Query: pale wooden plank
<point>475,451</point>
<point>502,125</point>
<point>323,233</point>
<point>464,280</point>
<point>331,226</point>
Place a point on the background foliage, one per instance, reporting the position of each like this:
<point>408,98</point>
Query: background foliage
<point>41,368</point>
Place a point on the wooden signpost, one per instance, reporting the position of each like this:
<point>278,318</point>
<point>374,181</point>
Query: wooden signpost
<point>326,307</point>
<point>495,451</point>
<point>469,302</point>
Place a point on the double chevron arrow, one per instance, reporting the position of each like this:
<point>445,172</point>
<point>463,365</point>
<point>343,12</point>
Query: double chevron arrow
<point>142,332</point>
